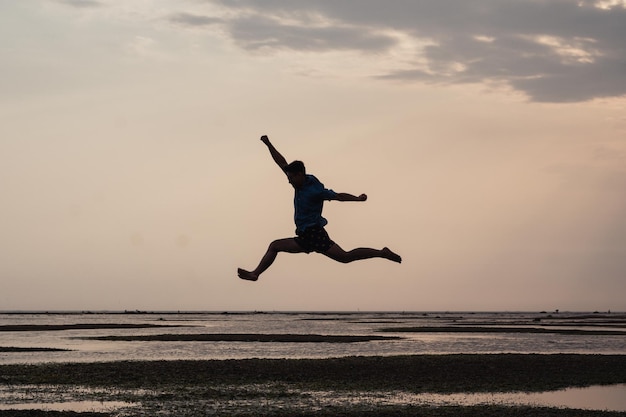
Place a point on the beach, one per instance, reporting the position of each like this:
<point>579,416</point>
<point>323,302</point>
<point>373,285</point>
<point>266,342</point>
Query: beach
<point>305,364</point>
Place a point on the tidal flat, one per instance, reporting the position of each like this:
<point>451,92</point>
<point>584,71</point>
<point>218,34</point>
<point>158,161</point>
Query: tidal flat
<point>367,386</point>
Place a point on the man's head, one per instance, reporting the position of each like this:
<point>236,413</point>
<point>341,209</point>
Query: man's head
<point>296,173</point>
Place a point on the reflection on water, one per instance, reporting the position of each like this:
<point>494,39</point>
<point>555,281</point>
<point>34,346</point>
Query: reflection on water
<point>76,406</point>
<point>612,398</point>
<point>608,398</point>
<point>604,398</point>
<point>82,349</point>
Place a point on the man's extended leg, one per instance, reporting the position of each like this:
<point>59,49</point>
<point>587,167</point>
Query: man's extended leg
<point>338,254</point>
<point>281,245</point>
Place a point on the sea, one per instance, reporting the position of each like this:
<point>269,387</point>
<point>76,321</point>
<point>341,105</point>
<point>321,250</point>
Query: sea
<point>79,336</point>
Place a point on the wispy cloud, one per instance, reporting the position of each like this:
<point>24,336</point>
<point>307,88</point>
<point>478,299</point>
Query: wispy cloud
<point>256,32</point>
<point>550,50</point>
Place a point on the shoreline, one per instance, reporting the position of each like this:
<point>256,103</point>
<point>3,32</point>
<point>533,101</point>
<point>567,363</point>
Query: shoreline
<point>363,379</point>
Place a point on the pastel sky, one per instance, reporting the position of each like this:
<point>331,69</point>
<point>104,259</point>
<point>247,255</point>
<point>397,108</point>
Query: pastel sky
<point>489,136</point>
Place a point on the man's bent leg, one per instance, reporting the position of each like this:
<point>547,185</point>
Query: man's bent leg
<point>281,245</point>
<point>336,253</point>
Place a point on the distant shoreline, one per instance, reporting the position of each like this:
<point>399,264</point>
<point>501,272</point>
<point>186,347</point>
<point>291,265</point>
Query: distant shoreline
<point>313,312</point>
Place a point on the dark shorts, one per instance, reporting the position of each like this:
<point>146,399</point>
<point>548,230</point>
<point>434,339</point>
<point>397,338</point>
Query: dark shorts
<point>314,239</point>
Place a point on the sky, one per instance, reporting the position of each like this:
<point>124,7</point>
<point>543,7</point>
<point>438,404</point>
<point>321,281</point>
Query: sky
<point>489,136</point>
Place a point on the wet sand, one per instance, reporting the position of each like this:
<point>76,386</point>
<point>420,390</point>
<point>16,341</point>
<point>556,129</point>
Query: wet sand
<point>352,386</point>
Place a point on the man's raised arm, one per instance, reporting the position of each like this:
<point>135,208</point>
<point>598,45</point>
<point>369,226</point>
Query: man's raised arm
<point>276,156</point>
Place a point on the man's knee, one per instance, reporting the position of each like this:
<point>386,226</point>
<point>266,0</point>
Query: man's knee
<point>276,245</point>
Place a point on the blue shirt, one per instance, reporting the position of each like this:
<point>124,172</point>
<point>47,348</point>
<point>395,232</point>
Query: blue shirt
<point>308,202</point>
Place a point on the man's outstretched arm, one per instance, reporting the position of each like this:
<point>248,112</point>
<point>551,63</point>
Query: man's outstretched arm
<point>276,156</point>
<point>350,197</point>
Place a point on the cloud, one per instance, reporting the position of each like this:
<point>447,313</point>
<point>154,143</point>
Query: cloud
<point>260,32</point>
<point>550,50</point>
<point>193,20</point>
<point>256,31</point>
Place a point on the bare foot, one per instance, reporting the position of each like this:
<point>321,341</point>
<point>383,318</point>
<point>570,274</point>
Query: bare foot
<point>249,276</point>
<point>392,256</point>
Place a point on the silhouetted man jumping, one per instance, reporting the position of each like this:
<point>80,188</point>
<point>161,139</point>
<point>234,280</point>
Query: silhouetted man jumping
<point>311,236</point>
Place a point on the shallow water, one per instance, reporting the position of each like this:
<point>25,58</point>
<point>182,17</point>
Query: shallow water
<point>606,398</point>
<point>77,406</point>
<point>81,349</point>
<point>610,398</point>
